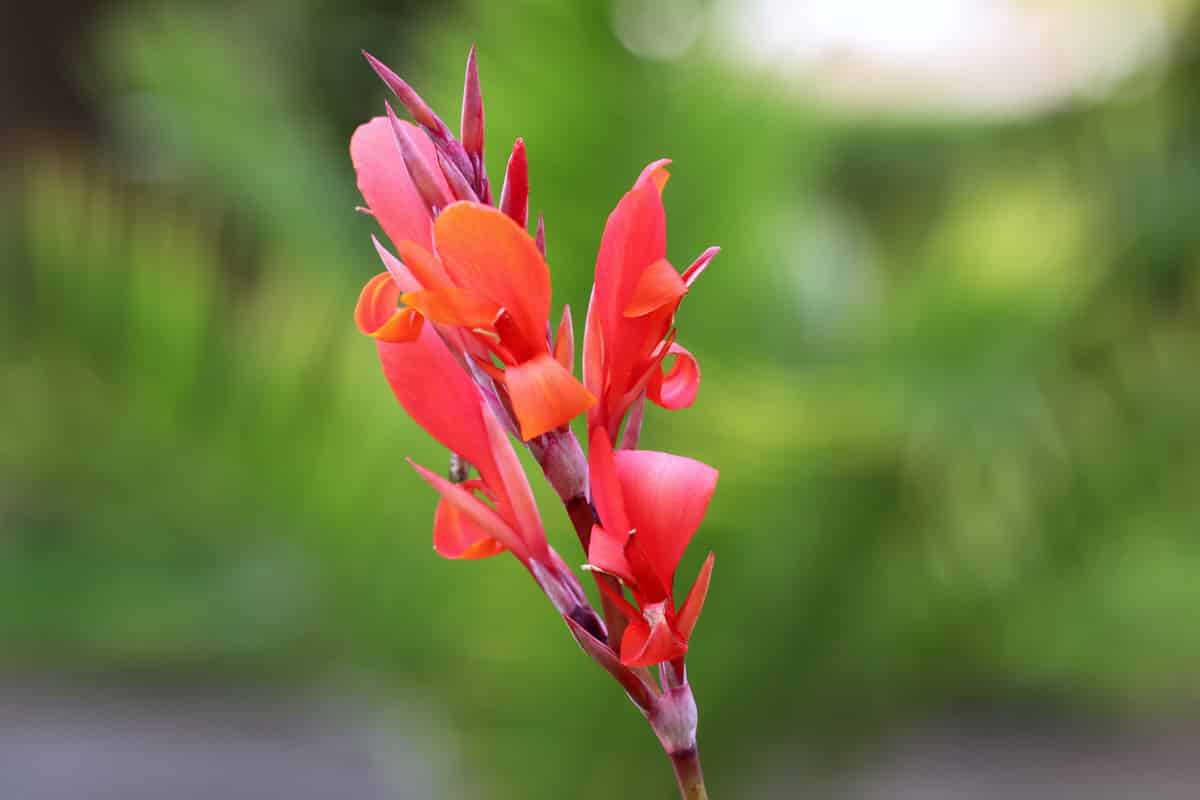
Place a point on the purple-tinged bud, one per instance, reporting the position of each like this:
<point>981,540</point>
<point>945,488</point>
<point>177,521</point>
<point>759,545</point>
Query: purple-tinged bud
<point>418,168</point>
<point>540,238</point>
<point>458,183</point>
<point>472,112</point>
<point>419,109</point>
<point>514,196</point>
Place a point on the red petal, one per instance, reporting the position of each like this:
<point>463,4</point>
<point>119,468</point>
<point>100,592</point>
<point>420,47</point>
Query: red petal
<point>564,341</point>
<point>457,536</point>
<point>475,510</point>
<point>544,395</point>
<point>485,251</point>
<point>666,497</point>
<point>677,388</point>
<point>606,552</point>
<point>634,236</point>
<point>515,486</point>
<point>655,173</point>
<point>438,394</point>
<point>658,286</point>
<point>450,305</point>
<point>606,487</point>
<point>646,644</point>
<point>697,267</point>
<point>385,183</point>
<point>689,612</point>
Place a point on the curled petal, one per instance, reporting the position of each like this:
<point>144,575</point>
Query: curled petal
<point>377,316</point>
<point>476,511</point>
<point>666,497</point>
<point>689,612</point>
<point>677,388</point>
<point>450,305</point>
<point>659,286</point>
<point>457,536</point>
<point>544,395</point>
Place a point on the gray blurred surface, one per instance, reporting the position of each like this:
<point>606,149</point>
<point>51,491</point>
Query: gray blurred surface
<point>73,743</point>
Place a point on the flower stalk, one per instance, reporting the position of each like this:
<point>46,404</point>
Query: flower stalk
<point>461,322</point>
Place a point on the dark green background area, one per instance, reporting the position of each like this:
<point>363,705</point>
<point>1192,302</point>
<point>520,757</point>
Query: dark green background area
<point>951,380</point>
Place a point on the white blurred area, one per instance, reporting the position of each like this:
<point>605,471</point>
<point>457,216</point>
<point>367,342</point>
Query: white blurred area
<point>973,57</point>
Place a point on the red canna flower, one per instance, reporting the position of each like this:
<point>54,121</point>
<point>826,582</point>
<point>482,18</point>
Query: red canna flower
<point>629,330</point>
<point>438,394</point>
<point>650,504</point>
<point>468,267</point>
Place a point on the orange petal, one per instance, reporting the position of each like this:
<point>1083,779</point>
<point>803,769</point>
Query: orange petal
<point>544,395</point>
<point>564,341</point>
<point>457,536</point>
<point>485,251</point>
<point>423,265</point>
<point>689,612</point>
<point>450,305</point>
<point>658,286</point>
<point>377,315</point>
<point>677,388</point>
<point>479,513</point>
<point>404,326</point>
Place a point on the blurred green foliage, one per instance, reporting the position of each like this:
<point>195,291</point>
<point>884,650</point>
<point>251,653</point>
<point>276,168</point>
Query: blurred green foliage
<point>950,381</point>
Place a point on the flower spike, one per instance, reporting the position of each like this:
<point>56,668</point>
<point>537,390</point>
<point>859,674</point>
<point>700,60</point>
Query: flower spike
<point>460,319</point>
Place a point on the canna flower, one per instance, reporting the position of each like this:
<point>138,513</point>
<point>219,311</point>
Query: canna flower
<point>438,394</point>
<point>650,505</point>
<point>471,269</point>
<point>629,331</point>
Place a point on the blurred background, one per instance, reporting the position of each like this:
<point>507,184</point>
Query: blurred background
<point>950,355</point>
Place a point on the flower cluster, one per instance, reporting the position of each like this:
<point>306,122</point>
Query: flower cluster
<point>461,321</point>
